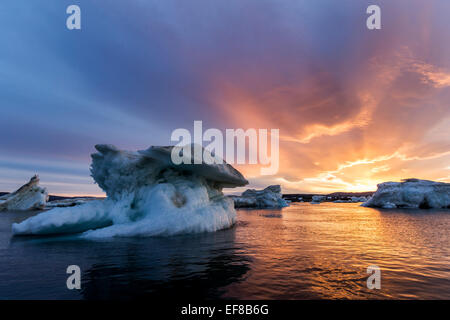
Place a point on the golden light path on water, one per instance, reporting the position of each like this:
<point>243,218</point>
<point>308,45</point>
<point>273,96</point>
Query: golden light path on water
<point>304,251</point>
<point>322,251</point>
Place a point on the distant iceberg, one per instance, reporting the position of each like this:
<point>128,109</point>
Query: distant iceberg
<point>411,193</point>
<point>147,195</point>
<point>30,196</point>
<point>359,199</point>
<point>269,197</point>
<point>318,199</point>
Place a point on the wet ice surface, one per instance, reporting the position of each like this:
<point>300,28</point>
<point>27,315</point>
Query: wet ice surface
<point>301,252</point>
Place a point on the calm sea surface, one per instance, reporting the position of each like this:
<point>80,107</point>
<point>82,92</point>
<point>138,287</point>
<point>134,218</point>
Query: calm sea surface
<point>302,252</point>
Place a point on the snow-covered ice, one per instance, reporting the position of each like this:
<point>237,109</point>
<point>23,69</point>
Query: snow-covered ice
<point>411,193</point>
<point>269,197</point>
<point>147,195</point>
<point>30,196</point>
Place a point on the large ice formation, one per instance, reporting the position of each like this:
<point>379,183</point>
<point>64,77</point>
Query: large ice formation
<point>269,197</point>
<point>411,193</point>
<point>147,195</point>
<point>30,196</point>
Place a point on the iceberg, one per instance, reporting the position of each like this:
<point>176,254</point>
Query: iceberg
<point>411,193</point>
<point>147,195</point>
<point>269,197</point>
<point>30,196</point>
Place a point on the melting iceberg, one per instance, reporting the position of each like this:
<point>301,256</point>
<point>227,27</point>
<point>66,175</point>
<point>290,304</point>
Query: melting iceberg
<point>411,193</point>
<point>270,197</point>
<point>30,196</point>
<point>147,195</point>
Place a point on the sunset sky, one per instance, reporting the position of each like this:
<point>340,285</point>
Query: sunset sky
<point>354,107</point>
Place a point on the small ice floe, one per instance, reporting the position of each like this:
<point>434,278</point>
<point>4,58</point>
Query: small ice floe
<point>30,196</point>
<point>317,199</point>
<point>269,197</point>
<point>411,193</point>
<point>147,195</point>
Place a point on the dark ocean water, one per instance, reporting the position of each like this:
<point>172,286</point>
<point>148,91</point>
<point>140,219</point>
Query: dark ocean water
<point>302,252</point>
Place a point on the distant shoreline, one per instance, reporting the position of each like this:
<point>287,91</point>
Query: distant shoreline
<point>288,196</point>
<point>294,197</point>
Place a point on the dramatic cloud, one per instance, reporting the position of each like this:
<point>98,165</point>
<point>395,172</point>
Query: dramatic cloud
<point>354,107</point>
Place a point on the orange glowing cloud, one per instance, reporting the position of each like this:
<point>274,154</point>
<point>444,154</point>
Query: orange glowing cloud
<point>351,135</point>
